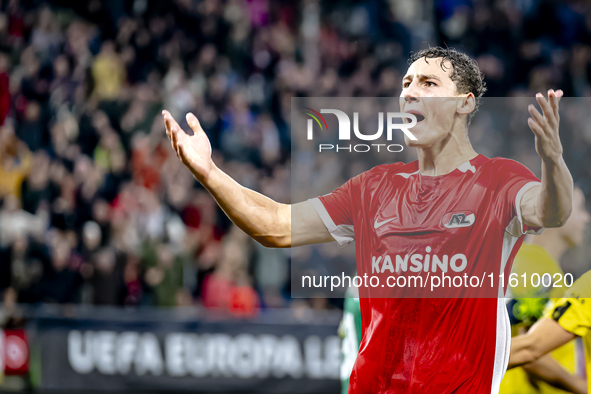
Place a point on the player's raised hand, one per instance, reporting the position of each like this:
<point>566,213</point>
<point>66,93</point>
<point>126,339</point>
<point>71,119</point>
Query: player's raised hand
<point>194,151</point>
<point>545,127</point>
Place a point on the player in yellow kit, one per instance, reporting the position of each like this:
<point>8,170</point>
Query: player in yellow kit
<point>570,318</point>
<point>541,254</point>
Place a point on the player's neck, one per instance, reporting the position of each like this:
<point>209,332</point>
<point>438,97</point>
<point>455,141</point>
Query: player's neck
<point>551,242</point>
<point>445,156</point>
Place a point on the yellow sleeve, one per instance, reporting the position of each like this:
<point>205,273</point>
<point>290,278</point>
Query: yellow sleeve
<point>574,315</point>
<point>573,312</point>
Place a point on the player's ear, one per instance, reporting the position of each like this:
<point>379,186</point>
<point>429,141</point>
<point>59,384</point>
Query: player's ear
<point>466,104</point>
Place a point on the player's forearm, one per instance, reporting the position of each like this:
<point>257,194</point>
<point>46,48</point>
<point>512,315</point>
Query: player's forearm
<point>548,370</point>
<point>265,220</point>
<point>554,202</point>
<point>523,351</point>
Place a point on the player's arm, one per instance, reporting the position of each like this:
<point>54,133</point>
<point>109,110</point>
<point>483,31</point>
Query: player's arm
<point>544,336</point>
<point>548,370</point>
<point>265,220</point>
<point>550,204</point>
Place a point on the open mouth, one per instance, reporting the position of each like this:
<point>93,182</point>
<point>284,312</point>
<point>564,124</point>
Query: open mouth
<point>420,117</point>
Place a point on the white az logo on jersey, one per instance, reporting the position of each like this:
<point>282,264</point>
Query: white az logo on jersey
<point>458,219</point>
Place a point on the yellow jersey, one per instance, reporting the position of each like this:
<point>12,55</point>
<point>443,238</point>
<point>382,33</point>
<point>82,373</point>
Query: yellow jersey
<point>573,313</point>
<point>532,259</point>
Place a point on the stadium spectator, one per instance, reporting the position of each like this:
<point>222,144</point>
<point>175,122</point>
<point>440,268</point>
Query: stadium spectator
<point>15,162</point>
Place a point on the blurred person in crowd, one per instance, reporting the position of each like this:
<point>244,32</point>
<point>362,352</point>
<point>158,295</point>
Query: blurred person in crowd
<point>109,73</point>
<point>88,180</point>
<point>123,217</point>
<point>147,160</point>
<point>26,266</point>
<point>569,318</point>
<point>228,288</point>
<point>15,222</point>
<point>102,214</point>
<point>107,280</point>
<point>133,291</point>
<point>63,136</point>
<point>204,234</point>
<point>63,86</point>
<point>110,181</point>
<point>36,189</point>
<point>91,240</point>
<point>21,266</point>
<point>141,112</point>
<point>63,208</point>
<point>61,280</point>
<point>15,162</point>
<point>34,85</point>
<point>271,274</point>
<point>178,96</point>
<point>446,160</point>
<point>163,273</point>
<point>154,216</point>
<point>542,254</point>
<point>46,37</point>
<point>109,153</point>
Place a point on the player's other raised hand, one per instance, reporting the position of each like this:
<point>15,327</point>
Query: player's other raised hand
<point>194,151</point>
<point>545,127</point>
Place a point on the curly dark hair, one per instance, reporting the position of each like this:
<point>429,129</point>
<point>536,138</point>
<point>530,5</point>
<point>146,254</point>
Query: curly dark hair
<point>465,72</point>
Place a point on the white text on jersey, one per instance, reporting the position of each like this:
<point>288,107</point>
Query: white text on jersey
<point>418,262</point>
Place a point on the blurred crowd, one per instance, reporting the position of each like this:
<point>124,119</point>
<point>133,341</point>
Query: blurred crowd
<point>95,206</point>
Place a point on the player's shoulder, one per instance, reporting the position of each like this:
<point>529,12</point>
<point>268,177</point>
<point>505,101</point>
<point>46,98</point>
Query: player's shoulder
<point>508,166</point>
<point>582,287</point>
<point>499,171</point>
<point>573,311</point>
<point>534,258</point>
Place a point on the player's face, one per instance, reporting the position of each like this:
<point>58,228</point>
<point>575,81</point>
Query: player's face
<point>574,228</point>
<point>429,93</point>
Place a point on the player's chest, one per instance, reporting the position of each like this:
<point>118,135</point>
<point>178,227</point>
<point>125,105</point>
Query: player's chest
<point>413,208</point>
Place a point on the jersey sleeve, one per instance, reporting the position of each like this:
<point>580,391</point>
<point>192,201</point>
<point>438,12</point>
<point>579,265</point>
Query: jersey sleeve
<point>513,181</point>
<point>336,211</point>
<point>574,315</point>
<point>573,312</point>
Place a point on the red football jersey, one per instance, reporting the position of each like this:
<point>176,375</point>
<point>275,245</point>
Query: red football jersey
<point>464,222</point>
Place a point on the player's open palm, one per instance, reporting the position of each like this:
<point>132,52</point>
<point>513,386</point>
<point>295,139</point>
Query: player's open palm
<point>194,151</point>
<point>545,127</point>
